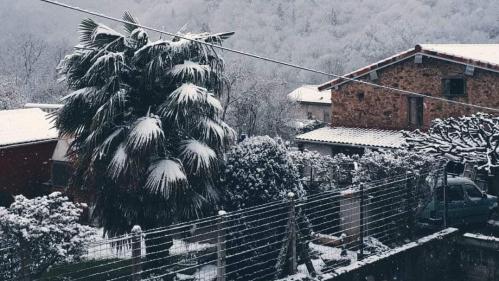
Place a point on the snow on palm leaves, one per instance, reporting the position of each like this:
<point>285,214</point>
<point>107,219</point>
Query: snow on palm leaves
<point>146,110</point>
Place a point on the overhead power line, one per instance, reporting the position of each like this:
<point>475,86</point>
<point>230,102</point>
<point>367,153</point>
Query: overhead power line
<point>401,91</point>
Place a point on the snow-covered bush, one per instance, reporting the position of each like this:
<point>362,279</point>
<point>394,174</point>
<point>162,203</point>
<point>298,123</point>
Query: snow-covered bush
<point>43,231</point>
<point>321,172</point>
<point>377,165</point>
<point>259,170</point>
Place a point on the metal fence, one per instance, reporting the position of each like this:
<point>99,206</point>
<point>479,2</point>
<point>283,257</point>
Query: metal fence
<point>308,236</point>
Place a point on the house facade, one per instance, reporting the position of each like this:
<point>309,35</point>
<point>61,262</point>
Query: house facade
<point>467,73</point>
<point>312,103</point>
<point>27,142</point>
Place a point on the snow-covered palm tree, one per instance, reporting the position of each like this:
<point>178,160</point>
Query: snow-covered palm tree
<point>144,118</point>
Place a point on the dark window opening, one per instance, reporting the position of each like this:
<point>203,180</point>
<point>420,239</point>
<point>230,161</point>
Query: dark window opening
<point>454,87</point>
<point>472,192</point>
<point>415,111</point>
<point>327,117</point>
<point>309,115</point>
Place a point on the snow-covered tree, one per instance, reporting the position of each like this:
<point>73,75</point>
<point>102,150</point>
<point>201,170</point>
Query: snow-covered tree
<point>44,231</point>
<point>259,170</point>
<point>473,139</point>
<point>144,115</point>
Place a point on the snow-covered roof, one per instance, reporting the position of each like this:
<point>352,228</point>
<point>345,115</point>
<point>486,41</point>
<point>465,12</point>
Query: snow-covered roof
<point>310,93</point>
<point>361,137</point>
<point>485,53</point>
<point>484,56</point>
<point>24,126</point>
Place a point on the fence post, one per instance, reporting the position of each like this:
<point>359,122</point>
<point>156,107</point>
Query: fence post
<point>446,201</point>
<point>136,253</point>
<point>293,263</point>
<point>410,203</point>
<point>221,246</point>
<point>360,256</point>
<point>25,261</point>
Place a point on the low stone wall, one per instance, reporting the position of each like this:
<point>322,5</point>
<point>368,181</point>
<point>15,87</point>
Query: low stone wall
<point>429,259</point>
<point>478,257</point>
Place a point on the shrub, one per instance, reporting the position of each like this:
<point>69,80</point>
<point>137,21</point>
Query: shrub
<point>258,170</point>
<point>42,231</point>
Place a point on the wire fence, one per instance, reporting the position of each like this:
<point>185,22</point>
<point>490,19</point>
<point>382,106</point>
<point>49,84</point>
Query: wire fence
<point>312,235</point>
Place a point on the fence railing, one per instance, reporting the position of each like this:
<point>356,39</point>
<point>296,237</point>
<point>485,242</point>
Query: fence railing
<point>312,235</point>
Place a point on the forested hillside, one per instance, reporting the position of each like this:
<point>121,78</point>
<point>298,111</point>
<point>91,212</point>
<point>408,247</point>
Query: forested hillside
<point>330,35</point>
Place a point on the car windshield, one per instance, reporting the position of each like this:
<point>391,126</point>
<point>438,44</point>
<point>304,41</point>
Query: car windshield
<point>472,191</point>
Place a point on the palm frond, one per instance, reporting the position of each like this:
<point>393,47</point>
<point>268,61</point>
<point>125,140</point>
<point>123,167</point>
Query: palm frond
<point>83,93</point>
<point>146,132</point>
<point>137,37</point>
<point>101,150</point>
<point>214,103</point>
<point>197,156</point>
<point>190,72</point>
<point>127,16</point>
<point>105,67</point>
<point>96,35</point>
<point>211,131</point>
<point>183,99</point>
<point>119,162</point>
<point>112,108</point>
<point>151,50</point>
<point>164,175</point>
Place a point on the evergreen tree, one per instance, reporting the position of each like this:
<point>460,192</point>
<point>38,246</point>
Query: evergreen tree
<point>144,118</point>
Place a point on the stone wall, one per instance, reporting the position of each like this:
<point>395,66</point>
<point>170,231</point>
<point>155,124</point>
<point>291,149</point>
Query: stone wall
<point>432,258</point>
<point>360,105</point>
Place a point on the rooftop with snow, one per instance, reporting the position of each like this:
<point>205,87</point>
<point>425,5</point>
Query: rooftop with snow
<point>28,125</point>
<point>483,56</point>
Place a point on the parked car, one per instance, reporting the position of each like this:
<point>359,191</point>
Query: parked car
<point>466,204</point>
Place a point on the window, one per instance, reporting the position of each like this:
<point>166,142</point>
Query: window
<point>455,193</point>
<point>454,87</point>
<point>327,117</point>
<point>472,191</point>
<point>309,115</point>
<point>415,111</point>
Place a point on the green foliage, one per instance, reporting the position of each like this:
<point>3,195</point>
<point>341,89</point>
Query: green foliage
<point>144,118</point>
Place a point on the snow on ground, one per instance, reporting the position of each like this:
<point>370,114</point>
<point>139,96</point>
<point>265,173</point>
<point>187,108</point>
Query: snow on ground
<point>332,253</point>
<point>102,248</point>
<point>481,237</point>
<point>374,258</point>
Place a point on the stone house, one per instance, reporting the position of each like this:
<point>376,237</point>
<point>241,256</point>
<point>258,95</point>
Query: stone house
<point>312,104</point>
<point>466,73</point>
